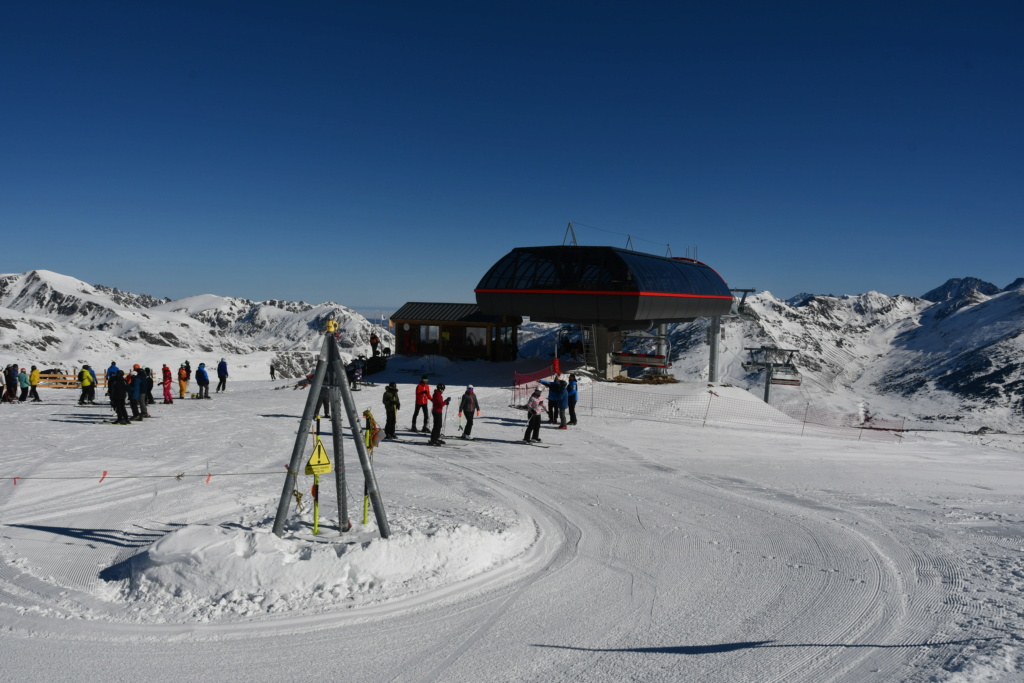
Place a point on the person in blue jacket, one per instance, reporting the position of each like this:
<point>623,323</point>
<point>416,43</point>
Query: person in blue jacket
<point>203,380</point>
<point>137,394</point>
<point>558,400</point>
<point>23,384</point>
<point>222,375</point>
<point>92,389</point>
<point>573,396</point>
<point>110,374</point>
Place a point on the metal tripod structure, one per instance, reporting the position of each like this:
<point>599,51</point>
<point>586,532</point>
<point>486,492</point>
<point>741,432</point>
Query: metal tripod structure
<point>331,375</point>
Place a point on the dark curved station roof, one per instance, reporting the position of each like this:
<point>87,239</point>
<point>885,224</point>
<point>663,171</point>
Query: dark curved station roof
<point>607,286</point>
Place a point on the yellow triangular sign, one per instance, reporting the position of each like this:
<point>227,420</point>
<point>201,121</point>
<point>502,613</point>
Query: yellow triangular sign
<point>318,463</point>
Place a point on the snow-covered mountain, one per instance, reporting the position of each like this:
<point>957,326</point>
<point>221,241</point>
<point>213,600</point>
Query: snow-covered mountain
<point>55,321</point>
<point>953,355</point>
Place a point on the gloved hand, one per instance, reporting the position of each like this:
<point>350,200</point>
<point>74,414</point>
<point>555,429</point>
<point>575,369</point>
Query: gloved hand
<point>460,413</point>
<point>478,413</point>
<point>447,400</point>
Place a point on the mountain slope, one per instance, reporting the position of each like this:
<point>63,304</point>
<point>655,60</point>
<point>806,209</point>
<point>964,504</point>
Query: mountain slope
<point>55,321</point>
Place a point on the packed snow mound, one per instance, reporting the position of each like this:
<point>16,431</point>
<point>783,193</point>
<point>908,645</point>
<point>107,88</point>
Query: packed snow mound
<point>203,572</point>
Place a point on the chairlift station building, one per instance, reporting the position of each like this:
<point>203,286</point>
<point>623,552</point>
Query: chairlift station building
<point>604,289</point>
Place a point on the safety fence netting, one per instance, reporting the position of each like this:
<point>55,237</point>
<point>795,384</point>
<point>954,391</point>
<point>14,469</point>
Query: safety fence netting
<point>523,384</point>
<point>609,400</point>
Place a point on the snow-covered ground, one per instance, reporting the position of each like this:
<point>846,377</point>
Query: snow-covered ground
<point>626,550</point>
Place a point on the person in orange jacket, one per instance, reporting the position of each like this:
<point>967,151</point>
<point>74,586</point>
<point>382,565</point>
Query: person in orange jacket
<point>422,399</point>
<point>182,381</point>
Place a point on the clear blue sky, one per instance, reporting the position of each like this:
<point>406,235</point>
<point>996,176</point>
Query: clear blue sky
<point>373,153</point>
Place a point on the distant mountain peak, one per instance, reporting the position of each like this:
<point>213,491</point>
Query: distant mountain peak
<point>1016,284</point>
<point>960,288</point>
<point>800,299</point>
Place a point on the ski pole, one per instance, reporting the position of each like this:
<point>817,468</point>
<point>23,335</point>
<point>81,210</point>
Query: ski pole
<point>316,504</point>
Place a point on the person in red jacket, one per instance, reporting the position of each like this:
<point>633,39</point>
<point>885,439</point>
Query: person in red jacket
<point>422,399</point>
<point>166,384</point>
<point>438,403</point>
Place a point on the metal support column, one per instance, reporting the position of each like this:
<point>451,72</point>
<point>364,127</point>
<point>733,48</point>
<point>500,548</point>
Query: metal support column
<point>714,332</point>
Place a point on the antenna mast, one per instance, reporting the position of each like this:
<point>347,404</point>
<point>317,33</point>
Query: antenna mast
<point>570,232</point>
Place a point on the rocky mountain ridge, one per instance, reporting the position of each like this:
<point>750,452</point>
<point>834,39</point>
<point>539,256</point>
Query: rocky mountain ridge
<point>52,320</point>
<point>954,355</point>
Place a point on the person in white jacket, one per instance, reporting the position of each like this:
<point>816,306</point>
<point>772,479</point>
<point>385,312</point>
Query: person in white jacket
<point>534,408</point>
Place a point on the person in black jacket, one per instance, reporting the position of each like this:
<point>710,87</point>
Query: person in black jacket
<point>469,408</point>
<point>391,407</point>
<point>118,392</point>
<point>149,389</point>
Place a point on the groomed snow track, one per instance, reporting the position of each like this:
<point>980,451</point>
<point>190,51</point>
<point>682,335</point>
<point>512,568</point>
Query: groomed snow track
<point>661,553</point>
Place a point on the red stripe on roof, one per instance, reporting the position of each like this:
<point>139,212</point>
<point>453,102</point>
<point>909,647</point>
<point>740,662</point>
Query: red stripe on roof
<point>591,292</point>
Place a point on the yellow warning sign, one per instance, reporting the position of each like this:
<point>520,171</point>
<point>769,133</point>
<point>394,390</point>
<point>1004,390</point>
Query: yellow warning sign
<point>318,463</point>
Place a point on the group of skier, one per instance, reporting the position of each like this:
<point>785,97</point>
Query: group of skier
<point>563,395</point>
<point>18,386</point>
<point>432,404</point>
<point>134,389</point>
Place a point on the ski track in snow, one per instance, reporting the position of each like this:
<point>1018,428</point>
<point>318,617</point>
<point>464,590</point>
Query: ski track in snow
<point>660,552</point>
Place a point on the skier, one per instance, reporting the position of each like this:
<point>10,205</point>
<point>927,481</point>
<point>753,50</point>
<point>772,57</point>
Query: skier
<point>118,392</point>
<point>182,381</point>
<point>203,380</point>
<point>110,373</point>
<point>149,387</point>
<point>374,343</point>
<point>222,376</point>
<point>534,407</point>
<point>272,378</point>
<point>166,384</point>
<point>33,381</point>
<point>391,407</point>
<point>556,400</point>
<point>470,406</point>
<point>324,400</point>
<point>146,397</point>
<point>7,390</point>
<point>422,398</point>
<point>23,384</point>
<point>573,396</point>
<point>354,373</point>
<point>92,387</point>
<point>438,404</point>
<point>85,381</point>
<point>137,394</point>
